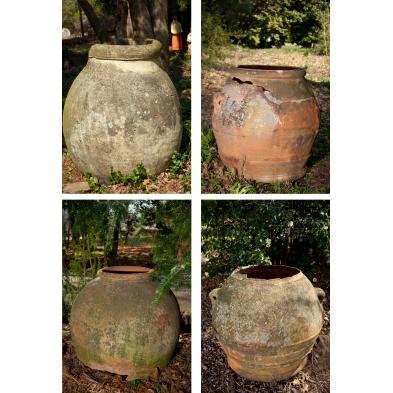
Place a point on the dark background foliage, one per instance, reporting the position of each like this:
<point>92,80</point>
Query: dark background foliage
<point>265,24</point>
<point>94,233</point>
<point>238,233</point>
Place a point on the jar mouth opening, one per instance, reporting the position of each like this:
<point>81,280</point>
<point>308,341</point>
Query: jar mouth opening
<point>269,272</point>
<point>269,71</point>
<point>126,270</point>
<point>269,67</point>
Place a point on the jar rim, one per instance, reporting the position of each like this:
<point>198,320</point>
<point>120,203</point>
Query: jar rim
<point>268,273</point>
<point>269,71</point>
<point>128,273</point>
<point>127,50</point>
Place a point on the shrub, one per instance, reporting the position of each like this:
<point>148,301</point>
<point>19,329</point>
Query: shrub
<point>238,233</point>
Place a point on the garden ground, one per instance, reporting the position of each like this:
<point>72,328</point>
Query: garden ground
<point>215,177</point>
<point>174,378</point>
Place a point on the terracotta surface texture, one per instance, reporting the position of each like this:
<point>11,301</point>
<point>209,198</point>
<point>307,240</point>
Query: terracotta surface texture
<point>265,121</point>
<point>267,319</point>
<point>116,327</point>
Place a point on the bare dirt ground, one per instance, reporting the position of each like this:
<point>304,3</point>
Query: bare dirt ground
<point>215,178</point>
<point>217,377</point>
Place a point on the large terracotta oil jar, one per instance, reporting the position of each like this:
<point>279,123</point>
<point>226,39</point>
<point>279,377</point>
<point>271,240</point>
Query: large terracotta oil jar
<point>265,121</point>
<point>116,327</point>
<point>267,319</point>
<point>122,110</point>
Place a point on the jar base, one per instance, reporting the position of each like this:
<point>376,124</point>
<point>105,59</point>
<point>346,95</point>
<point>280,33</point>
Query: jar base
<point>266,373</point>
<point>276,178</point>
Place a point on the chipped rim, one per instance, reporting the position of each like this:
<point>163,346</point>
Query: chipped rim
<point>124,273</point>
<point>268,71</point>
<point>127,50</point>
<point>295,274</point>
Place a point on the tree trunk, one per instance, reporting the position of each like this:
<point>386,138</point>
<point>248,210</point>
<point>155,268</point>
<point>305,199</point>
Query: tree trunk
<point>81,20</point>
<point>115,240</point>
<point>124,24</point>
<point>141,20</point>
<point>159,18</point>
<point>94,21</point>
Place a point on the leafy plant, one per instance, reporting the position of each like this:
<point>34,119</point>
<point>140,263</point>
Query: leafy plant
<point>136,177</point>
<point>263,24</point>
<point>208,146</point>
<point>172,244</point>
<point>94,183</point>
<point>236,233</point>
<point>178,162</point>
<point>239,188</point>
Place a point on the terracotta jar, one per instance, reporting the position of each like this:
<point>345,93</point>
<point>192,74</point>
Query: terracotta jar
<point>265,121</point>
<point>267,319</point>
<point>115,326</point>
<point>122,110</point>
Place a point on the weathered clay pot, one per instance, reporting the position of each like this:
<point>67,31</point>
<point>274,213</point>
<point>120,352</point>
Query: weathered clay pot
<point>116,328</point>
<point>267,319</point>
<point>265,121</point>
<point>122,110</point>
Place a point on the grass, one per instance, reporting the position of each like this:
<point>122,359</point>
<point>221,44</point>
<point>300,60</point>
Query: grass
<point>215,177</point>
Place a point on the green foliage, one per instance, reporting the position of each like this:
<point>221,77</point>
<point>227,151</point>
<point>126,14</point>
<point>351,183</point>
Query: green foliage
<point>178,162</point>
<point>70,12</point>
<point>238,233</point>
<point>172,245</point>
<point>208,145</point>
<point>263,24</point>
<point>89,229</point>
<point>91,233</point>
<point>167,281</point>
<point>214,32</point>
<point>239,188</point>
<point>179,5</point>
<point>135,178</point>
<point>94,183</point>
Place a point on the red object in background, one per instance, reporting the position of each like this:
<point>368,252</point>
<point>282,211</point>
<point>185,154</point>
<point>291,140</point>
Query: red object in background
<point>177,42</point>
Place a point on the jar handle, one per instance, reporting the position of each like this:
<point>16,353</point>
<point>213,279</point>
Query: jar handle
<point>321,294</point>
<point>213,295</point>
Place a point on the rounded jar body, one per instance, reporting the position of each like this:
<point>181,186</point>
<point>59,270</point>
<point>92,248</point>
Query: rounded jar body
<point>267,319</point>
<point>265,121</point>
<point>122,110</point>
<point>115,326</point>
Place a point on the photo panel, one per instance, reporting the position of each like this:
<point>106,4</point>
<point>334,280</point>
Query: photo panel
<point>126,279</point>
<point>265,296</point>
<point>126,97</point>
<point>265,97</point>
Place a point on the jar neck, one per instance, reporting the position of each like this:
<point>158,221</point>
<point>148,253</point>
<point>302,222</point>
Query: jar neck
<point>264,72</point>
<point>129,51</point>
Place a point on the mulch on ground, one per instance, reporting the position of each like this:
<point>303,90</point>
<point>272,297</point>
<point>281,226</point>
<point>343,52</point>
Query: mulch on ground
<point>218,377</point>
<point>174,378</point>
